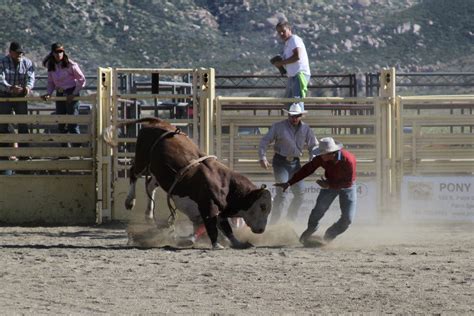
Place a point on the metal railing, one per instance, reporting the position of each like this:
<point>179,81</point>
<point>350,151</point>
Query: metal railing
<point>335,84</point>
<point>431,83</point>
<point>41,83</point>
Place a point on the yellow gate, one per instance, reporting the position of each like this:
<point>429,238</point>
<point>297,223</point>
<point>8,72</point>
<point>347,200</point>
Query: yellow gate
<point>181,96</point>
<point>52,184</point>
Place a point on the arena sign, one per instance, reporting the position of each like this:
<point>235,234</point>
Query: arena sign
<point>438,198</point>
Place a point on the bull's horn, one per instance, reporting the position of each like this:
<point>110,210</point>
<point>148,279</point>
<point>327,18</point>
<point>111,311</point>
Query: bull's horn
<point>264,186</point>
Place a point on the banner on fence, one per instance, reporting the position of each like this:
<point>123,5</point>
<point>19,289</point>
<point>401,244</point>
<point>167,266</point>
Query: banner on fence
<point>366,202</point>
<point>438,198</point>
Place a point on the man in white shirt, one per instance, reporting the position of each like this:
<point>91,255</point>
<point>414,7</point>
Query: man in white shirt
<point>295,60</point>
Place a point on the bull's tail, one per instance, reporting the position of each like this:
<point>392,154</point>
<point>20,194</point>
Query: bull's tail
<point>108,134</point>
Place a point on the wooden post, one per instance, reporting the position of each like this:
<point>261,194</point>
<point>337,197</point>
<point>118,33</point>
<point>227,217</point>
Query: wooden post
<point>388,131</point>
<point>399,144</point>
<point>196,106</point>
<point>206,102</point>
<point>218,150</point>
<point>103,166</point>
<point>211,108</point>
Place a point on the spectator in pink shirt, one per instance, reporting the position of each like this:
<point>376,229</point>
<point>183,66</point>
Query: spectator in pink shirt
<point>64,76</point>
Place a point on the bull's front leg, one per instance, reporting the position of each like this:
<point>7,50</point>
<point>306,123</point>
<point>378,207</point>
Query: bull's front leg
<point>212,233</point>
<point>209,210</point>
<point>227,230</point>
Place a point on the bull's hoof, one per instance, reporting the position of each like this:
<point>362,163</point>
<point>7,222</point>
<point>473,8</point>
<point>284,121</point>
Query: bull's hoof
<point>185,242</point>
<point>130,241</point>
<point>242,245</point>
<point>129,204</point>
<point>217,246</point>
<point>150,220</point>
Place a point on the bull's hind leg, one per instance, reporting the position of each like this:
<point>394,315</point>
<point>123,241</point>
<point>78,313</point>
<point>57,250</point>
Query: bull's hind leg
<point>151,185</point>
<point>130,199</point>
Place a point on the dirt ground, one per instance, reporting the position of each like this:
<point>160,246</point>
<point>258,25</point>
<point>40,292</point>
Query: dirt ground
<point>403,269</point>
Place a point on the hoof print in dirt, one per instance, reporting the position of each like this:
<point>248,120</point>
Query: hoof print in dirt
<point>184,243</point>
<point>314,242</point>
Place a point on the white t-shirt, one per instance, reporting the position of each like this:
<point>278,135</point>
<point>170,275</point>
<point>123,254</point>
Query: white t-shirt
<point>301,65</point>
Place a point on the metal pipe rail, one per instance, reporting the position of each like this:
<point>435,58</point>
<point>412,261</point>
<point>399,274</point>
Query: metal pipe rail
<point>148,71</point>
<point>259,82</point>
<point>427,80</point>
<point>314,100</point>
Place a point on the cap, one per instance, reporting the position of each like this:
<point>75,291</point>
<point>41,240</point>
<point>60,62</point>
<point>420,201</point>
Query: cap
<point>16,47</point>
<point>56,46</point>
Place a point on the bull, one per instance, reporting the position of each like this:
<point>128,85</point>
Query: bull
<point>201,187</point>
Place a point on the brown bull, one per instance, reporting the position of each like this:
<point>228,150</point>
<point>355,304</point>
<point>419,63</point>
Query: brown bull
<point>200,186</point>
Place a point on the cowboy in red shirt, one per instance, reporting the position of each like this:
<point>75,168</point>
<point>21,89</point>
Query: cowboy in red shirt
<point>340,174</point>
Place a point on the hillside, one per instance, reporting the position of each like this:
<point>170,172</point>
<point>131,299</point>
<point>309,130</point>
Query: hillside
<point>238,36</point>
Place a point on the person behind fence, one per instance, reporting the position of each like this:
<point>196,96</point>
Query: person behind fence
<point>17,78</point>
<point>295,59</point>
<point>289,137</point>
<point>339,181</point>
<point>64,76</point>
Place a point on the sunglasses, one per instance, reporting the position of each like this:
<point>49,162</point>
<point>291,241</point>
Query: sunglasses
<point>58,51</point>
<point>296,116</point>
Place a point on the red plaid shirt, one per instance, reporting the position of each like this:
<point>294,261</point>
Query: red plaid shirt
<point>340,173</point>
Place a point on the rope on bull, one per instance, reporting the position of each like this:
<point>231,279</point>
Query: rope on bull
<point>179,176</point>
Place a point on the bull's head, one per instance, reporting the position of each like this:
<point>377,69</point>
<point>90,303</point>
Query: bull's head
<point>256,216</point>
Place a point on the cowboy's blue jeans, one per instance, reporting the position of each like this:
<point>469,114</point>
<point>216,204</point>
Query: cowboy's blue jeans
<point>283,170</point>
<point>347,202</point>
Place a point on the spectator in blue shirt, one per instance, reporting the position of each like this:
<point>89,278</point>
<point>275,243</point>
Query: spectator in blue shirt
<point>17,78</point>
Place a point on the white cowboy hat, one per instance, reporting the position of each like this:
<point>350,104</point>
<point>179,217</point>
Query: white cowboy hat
<point>295,109</point>
<point>327,145</point>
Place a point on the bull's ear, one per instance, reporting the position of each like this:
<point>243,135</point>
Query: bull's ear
<point>264,186</point>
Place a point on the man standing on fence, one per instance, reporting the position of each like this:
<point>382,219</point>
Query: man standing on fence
<point>17,78</point>
<point>340,174</point>
<point>289,137</point>
<point>295,60</point>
